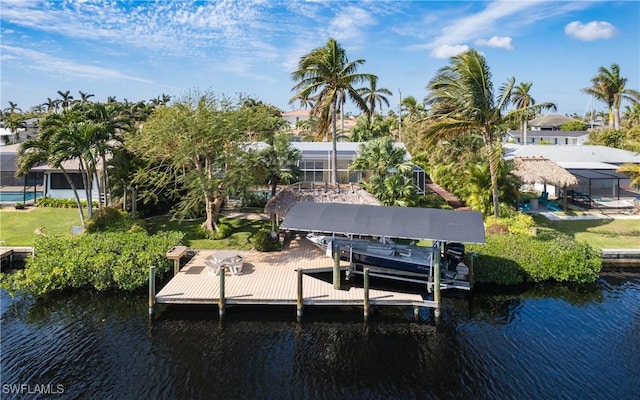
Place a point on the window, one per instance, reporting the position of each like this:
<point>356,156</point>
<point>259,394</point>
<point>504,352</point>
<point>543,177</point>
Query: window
<point>58,181</point>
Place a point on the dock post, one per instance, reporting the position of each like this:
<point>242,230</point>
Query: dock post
<point>436,280</point>
<point>299,302</point>
<point>472,277</point>
<point>366,293</point>
<point>176,266</point>
<point>152,290</point>
<point>336,265</point>
<point>221,299</point>
<point>416,312</point>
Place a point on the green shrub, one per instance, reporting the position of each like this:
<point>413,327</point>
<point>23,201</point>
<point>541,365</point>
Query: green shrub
<point>61,203</point>
<point>517,258</point>
<point>517,223</point>
<point>100,261</point>
<point>111,219</point>
<point>262,241</point>
<point>223,232</point>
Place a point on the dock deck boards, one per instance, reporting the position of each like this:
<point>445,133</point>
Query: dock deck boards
<point>271,278</point>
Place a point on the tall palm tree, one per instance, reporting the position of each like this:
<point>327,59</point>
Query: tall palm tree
<point>523,100</point>
<point>84,97</point>
<point>609,87</point>
<point>463,101</point>
<point>13,108</point>
<point>632,115</point>
<point>66,99</point>
<point>326,76</point>
<point>373,95</point>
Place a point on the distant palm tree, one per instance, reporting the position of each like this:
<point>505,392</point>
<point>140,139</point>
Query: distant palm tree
<point>462,99</point>
<point>632,115</point>
<point>373,95</point>
<point>52,105</point>
<point>326,77</point>
<point>13,108</point>
<point>66,99</point>
<point>84,97</point>
<point>609,87</point>
<point>523,100</point>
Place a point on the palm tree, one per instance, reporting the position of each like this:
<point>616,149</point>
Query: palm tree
<point>13,108</point>
<point>634,171</point>
<point>609,87</point>
<point>52,105</point>
<point>326,77</point>
<point>632,115</point>
<point>84,97</point>
<point>463,103</point>
<point>523,100</point>
<point>66,99</point>
<point>373,95</point>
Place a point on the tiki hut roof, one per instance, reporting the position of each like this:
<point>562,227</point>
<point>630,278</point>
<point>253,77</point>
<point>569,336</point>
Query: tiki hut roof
<point>285,199</point>
<point>542,170</point>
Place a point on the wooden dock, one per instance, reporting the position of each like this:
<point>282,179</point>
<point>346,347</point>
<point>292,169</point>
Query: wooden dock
<point>272,279</point>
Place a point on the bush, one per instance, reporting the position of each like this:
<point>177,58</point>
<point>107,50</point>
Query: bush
<point>223,232</point>
<point>111,219</point>
<point>263,241</point>
<point>100,261</point>
<point>60,203</point>
<point>516,258</point>
<point>517,223</point>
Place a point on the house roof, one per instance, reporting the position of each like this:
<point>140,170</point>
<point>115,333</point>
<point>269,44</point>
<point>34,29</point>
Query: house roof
<point>394,222</point>
<point>286,198</point>
<point>550,121</point>
<point>542,170</point>
<point>573,153</point>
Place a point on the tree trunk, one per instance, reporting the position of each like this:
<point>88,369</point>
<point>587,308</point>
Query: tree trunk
<point>493,169</point>
<point>75,193</point>
<point>334,141</point>
<point>212,208</point>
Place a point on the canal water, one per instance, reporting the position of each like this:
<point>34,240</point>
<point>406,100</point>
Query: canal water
<point>542,342</point>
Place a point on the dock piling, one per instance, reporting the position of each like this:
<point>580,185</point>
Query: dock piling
<point>299,300</point>
<point>152,289</point>
<point>366,293</point>
<point>221,300</point>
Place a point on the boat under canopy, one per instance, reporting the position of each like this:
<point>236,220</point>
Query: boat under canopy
<point>395,222</point>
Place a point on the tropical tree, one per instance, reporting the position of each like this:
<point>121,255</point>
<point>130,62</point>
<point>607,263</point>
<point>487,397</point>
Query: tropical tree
<point>12,109</point>
<point>463,102</point>
<point>631,115</point>
<point>326,77</point>
<point>195,146</point>
<point>66,99</point>
<point>633,170</point>
<point>373,95</point>
<point>84,97</point>
<point>52,105</point>
<point>609,87</point>
<point>391,181</point>
<point>523,101</point>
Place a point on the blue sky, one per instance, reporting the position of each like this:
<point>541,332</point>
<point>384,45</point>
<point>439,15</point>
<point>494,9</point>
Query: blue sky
<point>138,50</point>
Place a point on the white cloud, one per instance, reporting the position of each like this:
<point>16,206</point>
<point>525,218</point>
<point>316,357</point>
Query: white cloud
<point>446,51</point>
<point>496,41</point>
<point>57,66</point>
<point>590,31</point>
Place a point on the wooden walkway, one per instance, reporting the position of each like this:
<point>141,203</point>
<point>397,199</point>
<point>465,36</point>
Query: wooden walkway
<point>271,279</point>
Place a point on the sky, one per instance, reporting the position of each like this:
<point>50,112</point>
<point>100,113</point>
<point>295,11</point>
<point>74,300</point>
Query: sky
<point>139,50</point>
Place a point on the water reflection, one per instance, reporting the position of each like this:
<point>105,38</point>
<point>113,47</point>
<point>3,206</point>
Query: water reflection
<point>545,341</point>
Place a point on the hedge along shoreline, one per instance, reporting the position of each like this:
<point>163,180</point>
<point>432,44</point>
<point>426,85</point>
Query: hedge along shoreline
<point>98,260</point>
<point>509,259</point>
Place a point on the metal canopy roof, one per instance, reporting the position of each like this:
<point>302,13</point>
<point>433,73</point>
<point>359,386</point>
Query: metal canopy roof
<point>394,222</point>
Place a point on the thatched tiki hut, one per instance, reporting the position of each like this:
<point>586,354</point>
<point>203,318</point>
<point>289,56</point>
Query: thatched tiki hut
<point>286,198</point>
<point>533,170</point>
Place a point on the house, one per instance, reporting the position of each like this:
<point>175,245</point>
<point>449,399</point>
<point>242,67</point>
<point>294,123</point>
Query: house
<point>316,163</point>
<point>545,129</point>
<point>557,137</point>
<point>594,167</point>
<point>44,180</point>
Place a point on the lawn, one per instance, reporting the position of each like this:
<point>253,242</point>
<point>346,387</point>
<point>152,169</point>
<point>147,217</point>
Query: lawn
<point>599,233</point>
<point>243,229</point>
<point>18,227</point>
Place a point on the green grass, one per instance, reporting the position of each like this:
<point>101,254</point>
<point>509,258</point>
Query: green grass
<point>243,229</point>
<point>17,227</point>
<point>599,233</point>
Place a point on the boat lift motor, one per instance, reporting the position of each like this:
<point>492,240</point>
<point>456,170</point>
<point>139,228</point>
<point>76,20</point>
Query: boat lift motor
<point>453,255</point>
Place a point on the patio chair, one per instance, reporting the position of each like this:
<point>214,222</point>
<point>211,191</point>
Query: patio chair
<point>522,206</point>
<point>544,198</point>
<point>213,268</point>
<point>236,265</point>
<point>554,206</point>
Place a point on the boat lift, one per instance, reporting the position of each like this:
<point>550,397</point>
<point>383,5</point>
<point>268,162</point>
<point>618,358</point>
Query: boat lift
<point>351,220</point>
